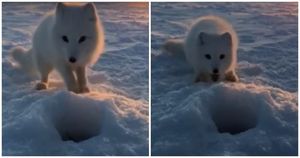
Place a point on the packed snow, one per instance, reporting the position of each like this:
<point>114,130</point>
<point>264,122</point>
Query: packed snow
<point>258,115</point>
<point>110,120</point>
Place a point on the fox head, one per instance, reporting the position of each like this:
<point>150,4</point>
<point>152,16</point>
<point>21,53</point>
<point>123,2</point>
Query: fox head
<point>216,54</point>
<point>77,32</point>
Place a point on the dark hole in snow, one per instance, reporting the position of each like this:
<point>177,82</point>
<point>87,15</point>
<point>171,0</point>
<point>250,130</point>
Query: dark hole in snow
<point>76,119</point>
<point>234,119</point>
<point>77,135</point>
<point>234,113</point>
<point>78,125</point>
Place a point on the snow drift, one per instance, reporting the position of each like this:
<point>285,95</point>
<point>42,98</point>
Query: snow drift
<point>65,123</point>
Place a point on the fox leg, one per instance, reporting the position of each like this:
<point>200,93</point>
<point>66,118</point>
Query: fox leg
<point>44,82</point>
<point>44,71</point>
<point>82,80</point>
<point>68,77</point>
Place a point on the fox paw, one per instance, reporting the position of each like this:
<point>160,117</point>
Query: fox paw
<point>73,89</point>
<point>41,86</point>
<point>232,77</point>
<point>84,90</point>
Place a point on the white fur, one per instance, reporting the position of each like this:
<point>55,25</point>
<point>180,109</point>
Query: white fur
<point>213,36</point>
<point>50,51</point>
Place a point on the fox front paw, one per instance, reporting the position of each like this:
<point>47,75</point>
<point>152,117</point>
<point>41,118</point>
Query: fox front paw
<point>41,86</point>
<point>84,89</point>
<point>231,77</point>
<point>73,89</point>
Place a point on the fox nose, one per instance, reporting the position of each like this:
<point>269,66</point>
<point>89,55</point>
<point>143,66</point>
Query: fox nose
<point>215,71</point>
<point>72,60</point>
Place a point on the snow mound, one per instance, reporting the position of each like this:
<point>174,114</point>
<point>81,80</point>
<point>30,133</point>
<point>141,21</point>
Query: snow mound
<point>236,119</point>
<point>67,122</point>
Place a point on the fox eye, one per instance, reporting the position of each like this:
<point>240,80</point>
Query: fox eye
<point>81,39</point>
<point>207,56</point>
<point>222,56</point>
<point>65,39</point>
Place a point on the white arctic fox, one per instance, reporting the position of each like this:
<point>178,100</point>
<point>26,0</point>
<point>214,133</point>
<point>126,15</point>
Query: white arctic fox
<point>210,47</point>
<point>67,40</point>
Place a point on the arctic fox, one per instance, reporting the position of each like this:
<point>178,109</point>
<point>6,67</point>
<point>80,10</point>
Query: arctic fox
<point>67,40</point>
<point>210,47</point>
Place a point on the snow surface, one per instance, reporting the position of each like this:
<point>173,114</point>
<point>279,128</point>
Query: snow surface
<point>185,115</point>
<point>114,116</point>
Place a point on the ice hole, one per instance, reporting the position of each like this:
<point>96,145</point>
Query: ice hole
<point>233,112</point>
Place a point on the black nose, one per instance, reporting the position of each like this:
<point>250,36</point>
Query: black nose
<point>215,71</point>
<point>72,60</point>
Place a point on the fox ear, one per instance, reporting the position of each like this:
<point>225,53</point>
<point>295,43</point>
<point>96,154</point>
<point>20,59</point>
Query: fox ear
<point>202,37</point>
<point>90,9</point>
<point>227,37</point>
<point>60,8</point>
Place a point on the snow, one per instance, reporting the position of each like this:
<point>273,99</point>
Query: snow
<point>258,115</point>
<point>111,120</point>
